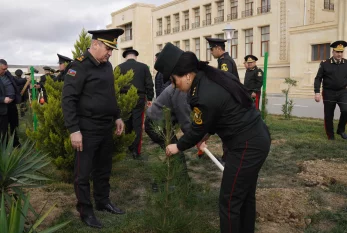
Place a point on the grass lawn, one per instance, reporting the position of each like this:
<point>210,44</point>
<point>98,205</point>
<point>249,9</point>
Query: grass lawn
<point>302,188</point>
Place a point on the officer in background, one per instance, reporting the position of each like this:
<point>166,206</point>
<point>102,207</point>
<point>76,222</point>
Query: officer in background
<point>40,86</point>
<point>225,62</point>
<point>142,80</point>
<point>90,113</point>
<point>333,73</point>
<point>23,81</point>
<point>253,79</point>
<point>63,62</point>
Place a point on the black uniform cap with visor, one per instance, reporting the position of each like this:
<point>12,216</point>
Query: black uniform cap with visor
<point>108,36</point>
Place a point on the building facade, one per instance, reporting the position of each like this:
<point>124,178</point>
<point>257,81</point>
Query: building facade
<point>296,33</point>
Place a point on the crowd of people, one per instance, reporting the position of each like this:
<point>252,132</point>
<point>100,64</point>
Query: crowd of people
<point>219,103</point>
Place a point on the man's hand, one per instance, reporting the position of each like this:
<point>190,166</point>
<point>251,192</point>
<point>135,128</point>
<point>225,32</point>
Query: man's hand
<point>202,146</point>
<point>253,95</point>
<point>76,141</point>
<point>119,126</point>
<point>149,103</point>
<point>317,97</point>
<point>171,150</point>
<point>7,100</point>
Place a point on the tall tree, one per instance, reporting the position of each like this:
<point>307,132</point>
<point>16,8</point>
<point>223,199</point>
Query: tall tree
<point>82,44</point>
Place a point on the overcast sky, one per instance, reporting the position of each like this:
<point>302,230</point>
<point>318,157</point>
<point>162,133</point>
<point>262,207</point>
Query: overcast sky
<point>32,32</point>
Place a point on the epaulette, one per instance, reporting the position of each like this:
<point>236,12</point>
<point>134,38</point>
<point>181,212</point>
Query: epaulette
<point>81,58</point>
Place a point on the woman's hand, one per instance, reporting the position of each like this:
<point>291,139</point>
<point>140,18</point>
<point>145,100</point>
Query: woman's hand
<point>171,150</point>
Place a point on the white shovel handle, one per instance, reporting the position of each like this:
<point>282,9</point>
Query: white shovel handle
<point>219,165</point>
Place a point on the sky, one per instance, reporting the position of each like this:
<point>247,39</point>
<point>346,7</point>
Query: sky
<point>32,32</point>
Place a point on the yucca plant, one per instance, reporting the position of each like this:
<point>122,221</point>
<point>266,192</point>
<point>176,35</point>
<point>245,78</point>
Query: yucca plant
<point>13,220</point>
<point>19,167</point>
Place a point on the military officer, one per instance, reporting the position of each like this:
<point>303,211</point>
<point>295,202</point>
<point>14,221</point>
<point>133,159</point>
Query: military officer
<point>160,82</point>
<point>333,73</point>
<point>142,80</point>
<point>253,79</point>
<point>90,113</point>
<point>63,62</point>
<point>225,62</point>
<point>230,114</point>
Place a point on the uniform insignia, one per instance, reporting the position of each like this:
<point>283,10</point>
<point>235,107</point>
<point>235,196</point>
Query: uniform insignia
<point>80,58</point>
<point>71,72</point>
<point>224,67</point>
<point>194,91</point>
<point>197,116</point>
<point>259,74</point>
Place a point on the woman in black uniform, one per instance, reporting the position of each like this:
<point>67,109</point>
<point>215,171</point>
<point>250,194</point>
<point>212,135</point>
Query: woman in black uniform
<point>221,105</point>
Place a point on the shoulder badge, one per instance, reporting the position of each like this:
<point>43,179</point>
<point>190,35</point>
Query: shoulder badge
<point>194,90</point>
<point>260,74</point>
<point>197,116</point>
<point>224,67</point>
<point>81,58</point>
<point>72,72</point>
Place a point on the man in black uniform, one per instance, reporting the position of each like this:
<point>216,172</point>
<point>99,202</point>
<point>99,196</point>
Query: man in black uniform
<point>63,62</point>
<point>225,62</point>
<point>90,113</point>
<point>40,86</point>
<point>333,73</point>
<point>142,80</point>
<point>253,79</point>
<point>24,98</point>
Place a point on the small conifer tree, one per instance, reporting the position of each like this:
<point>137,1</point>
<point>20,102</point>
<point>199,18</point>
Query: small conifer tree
<point>82,44</point>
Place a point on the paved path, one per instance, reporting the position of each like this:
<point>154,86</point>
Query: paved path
<point>302,107</point>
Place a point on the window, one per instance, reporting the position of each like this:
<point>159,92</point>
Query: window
<point>160,47</point>
<point>196,23</point>
<point>197,48</point>
<point>220,9</point>
<point>220,36</point>
<point>248,41</point>
<point>160,27</point>
<point>186,45</point>
<point>329,4</point>
<point>265,7</point>
<point>128,32</point>
<point>248,8</point>
<point>265,39</point>
<point>186,20</point>
<point>177,44</point>
<point>208,50</point>
<point>320,52</point>
<point>207,21</point>
<point>177,23</point>
<point>168,25</point>
<point>233,10</point>
<point>234,43</point>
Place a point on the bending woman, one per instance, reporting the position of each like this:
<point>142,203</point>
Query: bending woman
<point>221,105</point>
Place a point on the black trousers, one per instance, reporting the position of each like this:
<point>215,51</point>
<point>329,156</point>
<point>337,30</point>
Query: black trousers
<point>95,159</point>
<point>157,138</point>
<point>237,194</point>
<point>3,126</point>
<point>135,123</point>
<point>13,121</point>
<point>330,99</point>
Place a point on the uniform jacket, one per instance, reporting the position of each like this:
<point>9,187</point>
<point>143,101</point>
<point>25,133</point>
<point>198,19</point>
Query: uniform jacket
<point>220,114</point>
<point>176,101</point>
<point>89,99</point>
<point>142,79</point>
<point>18,98</point>
<point>333,75</point>
<point>226,63</point>
<point>254,79</point>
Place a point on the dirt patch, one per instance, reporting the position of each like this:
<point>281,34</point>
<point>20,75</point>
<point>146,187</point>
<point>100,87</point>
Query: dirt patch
<point>43,200</point>
<point>284,207</point>
<point>278,142</point>
<point>272,227</point>
<point>323,172</point>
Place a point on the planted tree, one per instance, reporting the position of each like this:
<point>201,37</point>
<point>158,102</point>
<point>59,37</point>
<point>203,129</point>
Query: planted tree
<point>288,106</point>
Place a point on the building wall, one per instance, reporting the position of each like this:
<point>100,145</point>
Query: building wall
<point>295,26</point>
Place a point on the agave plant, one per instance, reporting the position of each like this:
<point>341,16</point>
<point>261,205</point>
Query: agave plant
<point>13,220</point>
<point>19,167</point>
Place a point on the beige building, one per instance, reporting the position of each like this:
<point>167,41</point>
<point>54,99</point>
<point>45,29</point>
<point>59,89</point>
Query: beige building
<point>295,33</point>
